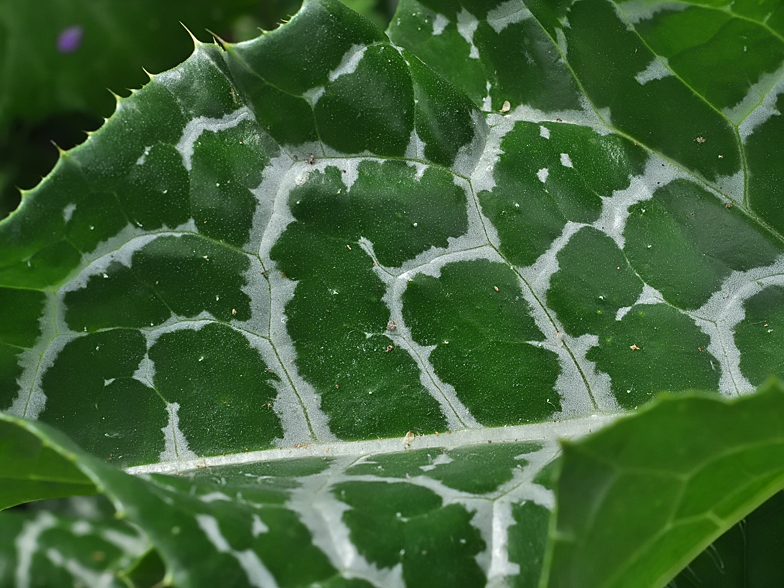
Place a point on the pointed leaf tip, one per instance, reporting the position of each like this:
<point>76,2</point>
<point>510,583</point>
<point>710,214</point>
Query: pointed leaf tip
<point>196,42</point>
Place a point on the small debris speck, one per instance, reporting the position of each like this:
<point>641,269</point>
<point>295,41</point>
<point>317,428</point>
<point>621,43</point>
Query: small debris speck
<point>495,288</point>
<point>634,347</point>
<point>506,106</point>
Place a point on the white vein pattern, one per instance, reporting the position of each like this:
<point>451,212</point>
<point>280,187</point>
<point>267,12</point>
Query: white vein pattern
<point>582,388</point>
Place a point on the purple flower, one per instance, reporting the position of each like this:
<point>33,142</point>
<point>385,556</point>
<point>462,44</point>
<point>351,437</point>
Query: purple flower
<point>70,39</point>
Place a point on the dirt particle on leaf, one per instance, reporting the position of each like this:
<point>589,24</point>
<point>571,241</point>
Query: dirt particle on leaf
<point>506,106</point>
<point>495,288</point>
<point>409,438</point>
<point>634,347</point>
<point>391,325</point>
<point>311,159</point>
<point>700,140</point>
<point>348,247</point>
<point>389,348</point>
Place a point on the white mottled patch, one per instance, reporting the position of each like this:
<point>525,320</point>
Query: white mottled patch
<point>30,400</point>
<point>566,161</point>
<point>145,373</point>
<point>258,527</point>
<point>732,187</point>
<point>322,513</point>
<point>487,101</point>
<point>313,94</point>
<point>542,174</point>
<point>649,295</point>
<point>560,41</point>
<point>82,575</point>
<point>215,496</point>
<point>544,132</point>
<point>582,388</point>
<point>482,177</point>
<point>455,412</point>
<point>416,147</point>
<point>635,11</point>
<point>615,209</point>
<point>657,69</point>
<point>281,292</point>
<point>199,125</point>
<point>439,24</point>
<point>68,212</point>
<point>175,444</point>
<point>143,156</point>
<point>26,544</point>
<point>288,404</point>
<point>723,311</point>
<point>349,62</point>
<point>441,459</point>
<point>257,573</point>
<point>466,26</point>
<point>506,14</point>
<point>470,154</point>
<point>130,544</point>
<point>81,528</point>
<point>759,104</point>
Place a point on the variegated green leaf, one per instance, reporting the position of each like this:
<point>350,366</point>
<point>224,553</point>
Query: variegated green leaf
<point>507,214</point>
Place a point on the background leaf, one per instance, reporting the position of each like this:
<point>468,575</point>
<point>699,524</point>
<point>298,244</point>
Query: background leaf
<point>641,498</point>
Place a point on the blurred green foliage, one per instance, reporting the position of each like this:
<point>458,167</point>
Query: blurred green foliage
<point>51,94</point>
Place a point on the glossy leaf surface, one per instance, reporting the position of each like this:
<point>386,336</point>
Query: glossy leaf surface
<point>641,498</point>
<point>510,214</point>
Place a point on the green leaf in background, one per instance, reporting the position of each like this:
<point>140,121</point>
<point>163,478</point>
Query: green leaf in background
<point>58,60</point>
<point>346,287</point>
<point>641,498</point>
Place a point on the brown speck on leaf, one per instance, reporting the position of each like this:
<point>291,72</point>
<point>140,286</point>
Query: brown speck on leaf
<point>558,120</point>
<point>337,386</point>
<point>634,347</point>
<point>389,348</point>
<point>699,349</point>
<point>391,326</point>
<point>728,205</point>
<point>495,288</point>
<point>233,311</point>
<point>408,438</point>
<point>311,159</point>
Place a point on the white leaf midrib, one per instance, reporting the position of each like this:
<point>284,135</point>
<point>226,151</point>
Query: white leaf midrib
<point>547,431</point>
